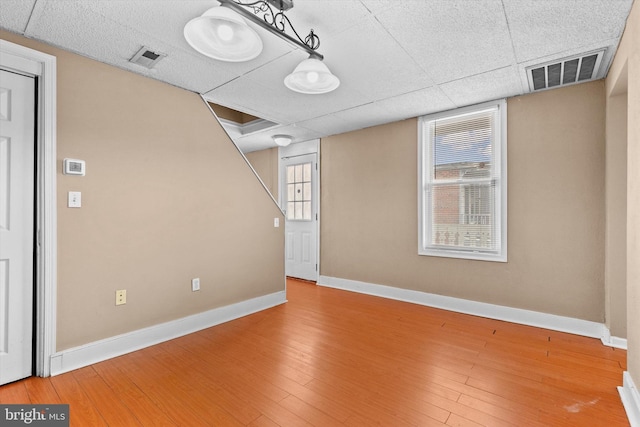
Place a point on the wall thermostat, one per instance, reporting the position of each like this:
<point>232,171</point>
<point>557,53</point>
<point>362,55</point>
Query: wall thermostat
<point>74,167</point>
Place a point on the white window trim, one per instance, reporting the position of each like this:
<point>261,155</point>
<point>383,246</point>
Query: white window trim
<point>500,158</point>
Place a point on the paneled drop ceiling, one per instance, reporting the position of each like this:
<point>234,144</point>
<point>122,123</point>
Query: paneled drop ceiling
<point>396,59</point>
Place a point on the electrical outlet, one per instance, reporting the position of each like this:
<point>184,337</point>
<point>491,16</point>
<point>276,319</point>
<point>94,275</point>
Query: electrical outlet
<point>121,297</point>
<point>195,284</point>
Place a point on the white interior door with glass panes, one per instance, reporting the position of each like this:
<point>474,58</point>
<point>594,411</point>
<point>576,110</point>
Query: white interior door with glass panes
<point>17,153</point>
<point>299,201</point>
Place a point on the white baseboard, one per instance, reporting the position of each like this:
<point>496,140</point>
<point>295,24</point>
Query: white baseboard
<point>630,399</point>
<point>78,357</point>
<point>492,311</point>
<point>616,342</point>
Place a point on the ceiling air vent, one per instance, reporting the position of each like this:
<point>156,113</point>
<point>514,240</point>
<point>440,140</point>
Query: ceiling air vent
<point>565,72</point>
<point>147,58</point>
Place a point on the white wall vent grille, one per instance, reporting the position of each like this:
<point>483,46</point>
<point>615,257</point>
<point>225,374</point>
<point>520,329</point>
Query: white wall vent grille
<point>565,72</point>
<point>146,57</point>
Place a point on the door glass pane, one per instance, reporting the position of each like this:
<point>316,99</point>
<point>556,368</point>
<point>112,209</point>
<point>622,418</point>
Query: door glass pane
<point>298,211</point>
<point>306,211</point>
<point>307,172</point>
<point>299,192</point>
<point>290,210</point>
<point>306,192</point>
<point>290,191</point>
<point>298,175</point>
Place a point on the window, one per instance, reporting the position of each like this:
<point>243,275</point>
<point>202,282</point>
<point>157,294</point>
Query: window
<point>462,183</point>
<point>299,192</point>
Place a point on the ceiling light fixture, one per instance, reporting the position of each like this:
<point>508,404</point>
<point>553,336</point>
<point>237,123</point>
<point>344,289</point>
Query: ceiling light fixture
<point>311,76</point>
<point>282,140</point>
<point>223,33</point>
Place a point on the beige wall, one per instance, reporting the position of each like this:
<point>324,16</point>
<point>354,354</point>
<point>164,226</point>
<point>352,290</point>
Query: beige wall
<point>167,197</point>
<point>625,73</point>
<point>556,148</point>
<point>265,163</point>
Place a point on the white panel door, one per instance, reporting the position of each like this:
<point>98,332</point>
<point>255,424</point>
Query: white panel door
<point>299,201</point>
<point>17,118</point>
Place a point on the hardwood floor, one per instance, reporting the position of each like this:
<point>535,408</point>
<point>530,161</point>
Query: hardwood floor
<point>335,358</point>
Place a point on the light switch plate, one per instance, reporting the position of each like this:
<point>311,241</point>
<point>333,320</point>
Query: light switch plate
<point>74,199</point>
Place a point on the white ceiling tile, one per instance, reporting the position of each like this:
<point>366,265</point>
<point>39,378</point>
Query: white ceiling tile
<point>72,25</point>
<point>244,94</point>
<point>155,18</point>
<point>14,14</point>
<point>327,18</point>
<point>198,75</point>
<point>375,6</point>
<point>451,39</point>
<point>492,85</point>
<point>542,28</point>
<point>366,58</point>
<point>361,117</point>
<point>328,125</point>
<point>398,108</point>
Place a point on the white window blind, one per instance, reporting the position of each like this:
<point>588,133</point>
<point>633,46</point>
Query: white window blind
<point>462,200</point>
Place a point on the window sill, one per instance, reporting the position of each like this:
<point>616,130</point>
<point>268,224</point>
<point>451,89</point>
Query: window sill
<point>462,254</point>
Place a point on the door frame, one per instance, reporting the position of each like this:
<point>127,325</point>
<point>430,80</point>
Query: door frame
<point>294,150</point>
<point>43,66</point>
